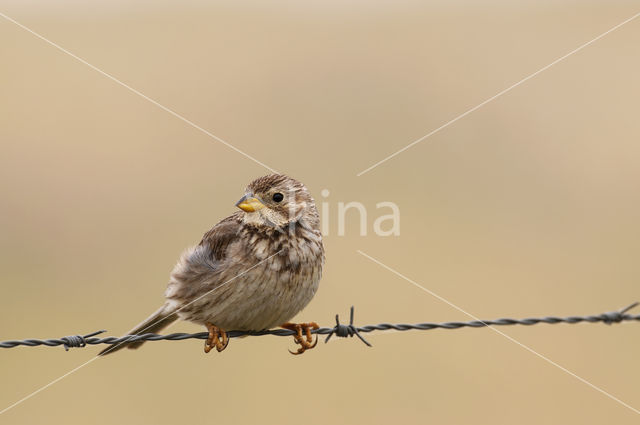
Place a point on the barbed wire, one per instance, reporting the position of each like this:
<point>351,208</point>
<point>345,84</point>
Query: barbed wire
<point>340,330</point>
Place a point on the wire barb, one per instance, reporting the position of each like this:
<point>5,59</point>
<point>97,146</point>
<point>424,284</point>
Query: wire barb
<point>74,341</point>
<point>340,330</point>
<point>344,331</point>
<point>617,316</point>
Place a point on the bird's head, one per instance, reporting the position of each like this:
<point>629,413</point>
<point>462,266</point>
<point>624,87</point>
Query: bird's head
<point>277,200</point>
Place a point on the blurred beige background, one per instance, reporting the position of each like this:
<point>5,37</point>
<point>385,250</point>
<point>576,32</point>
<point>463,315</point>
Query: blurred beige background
<point>527,207</point>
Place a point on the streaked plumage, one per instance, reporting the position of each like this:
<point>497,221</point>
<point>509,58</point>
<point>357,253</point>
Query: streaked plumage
<point>254,270</point>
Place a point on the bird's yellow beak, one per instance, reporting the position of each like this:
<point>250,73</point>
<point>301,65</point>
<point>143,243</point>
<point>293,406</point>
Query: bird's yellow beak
<point>249,203</point>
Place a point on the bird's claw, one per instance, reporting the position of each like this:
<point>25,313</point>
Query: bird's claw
<point>305,341</point>
<point>217,338</point>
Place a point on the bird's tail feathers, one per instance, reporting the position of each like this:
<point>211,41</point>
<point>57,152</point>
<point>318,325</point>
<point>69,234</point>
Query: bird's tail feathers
<point>159,320</point>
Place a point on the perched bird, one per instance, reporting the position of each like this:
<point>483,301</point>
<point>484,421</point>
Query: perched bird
<point>254,270</point>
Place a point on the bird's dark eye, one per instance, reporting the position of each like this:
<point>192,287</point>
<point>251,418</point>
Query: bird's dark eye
<point>278,196</point>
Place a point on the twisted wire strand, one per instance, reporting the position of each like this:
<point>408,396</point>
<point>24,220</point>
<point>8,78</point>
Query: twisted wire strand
<point>340,330</point>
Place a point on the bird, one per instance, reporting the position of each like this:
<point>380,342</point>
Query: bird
<point>254,270</point>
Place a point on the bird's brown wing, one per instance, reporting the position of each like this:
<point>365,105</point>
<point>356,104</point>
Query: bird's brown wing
<point>220,236</point>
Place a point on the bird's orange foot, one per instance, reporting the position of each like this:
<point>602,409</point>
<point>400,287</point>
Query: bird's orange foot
<point>217,338</point>
<point>305,341</point>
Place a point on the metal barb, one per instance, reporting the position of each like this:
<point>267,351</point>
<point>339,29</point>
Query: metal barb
<point>77,341</point>
<point>618,315</point>
<point>344,331</point>
<point>624,310</point>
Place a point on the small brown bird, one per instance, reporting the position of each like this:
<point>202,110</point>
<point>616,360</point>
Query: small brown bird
<point>254,270</point>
